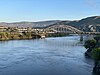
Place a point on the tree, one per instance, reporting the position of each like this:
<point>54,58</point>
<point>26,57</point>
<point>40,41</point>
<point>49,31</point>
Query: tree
<point>90,44</point>
<point>96,53</point>
<point>96,57</point>
<point>97,38</point>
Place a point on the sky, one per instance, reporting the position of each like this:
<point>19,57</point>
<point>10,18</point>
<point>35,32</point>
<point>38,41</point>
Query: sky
<point>41,10</point>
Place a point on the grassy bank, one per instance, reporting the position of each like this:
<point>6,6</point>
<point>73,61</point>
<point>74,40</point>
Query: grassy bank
<point>14,36</point>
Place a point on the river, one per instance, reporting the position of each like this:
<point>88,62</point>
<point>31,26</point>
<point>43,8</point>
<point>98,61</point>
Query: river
<point>50,56</point>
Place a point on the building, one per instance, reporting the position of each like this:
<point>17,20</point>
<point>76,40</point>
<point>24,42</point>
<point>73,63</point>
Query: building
<point>2,28</point>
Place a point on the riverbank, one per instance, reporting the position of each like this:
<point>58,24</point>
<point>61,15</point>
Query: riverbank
<point>57,34</point>
<point>26,35</point>
<point>14,36</point>
<point>93,51</point>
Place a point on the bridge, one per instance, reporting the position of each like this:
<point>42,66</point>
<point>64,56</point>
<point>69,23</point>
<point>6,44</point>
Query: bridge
<point>62,29</point>
<point>53,29</point>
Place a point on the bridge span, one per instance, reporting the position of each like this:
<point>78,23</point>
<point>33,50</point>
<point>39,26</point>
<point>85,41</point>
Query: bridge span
<point>63,29</point>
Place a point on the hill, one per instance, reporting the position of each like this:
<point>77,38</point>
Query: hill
<point>30,24</point>
<point>86,24</point>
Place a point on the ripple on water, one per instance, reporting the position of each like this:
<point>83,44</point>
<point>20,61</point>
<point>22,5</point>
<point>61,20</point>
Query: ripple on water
<point>50,56</point>
<point>3,66</point>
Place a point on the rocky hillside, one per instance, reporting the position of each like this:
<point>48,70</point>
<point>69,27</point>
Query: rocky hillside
<point>86,24</point>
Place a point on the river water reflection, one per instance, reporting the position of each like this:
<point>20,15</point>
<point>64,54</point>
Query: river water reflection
<point>50,56</point>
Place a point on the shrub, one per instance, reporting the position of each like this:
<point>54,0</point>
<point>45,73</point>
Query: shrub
<point>90,44</point>
<point>96,53</point>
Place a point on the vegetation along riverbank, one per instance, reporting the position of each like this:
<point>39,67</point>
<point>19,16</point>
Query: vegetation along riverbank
<point>14,36</point>
<point>93,51</point>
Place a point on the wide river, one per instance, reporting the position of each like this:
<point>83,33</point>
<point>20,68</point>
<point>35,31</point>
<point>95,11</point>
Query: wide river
<point>50,56</point>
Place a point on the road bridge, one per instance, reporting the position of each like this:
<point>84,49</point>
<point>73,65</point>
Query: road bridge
<point>63,28</point>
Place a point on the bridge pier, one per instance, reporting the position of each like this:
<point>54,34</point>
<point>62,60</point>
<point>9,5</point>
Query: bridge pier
<point>81,37</point>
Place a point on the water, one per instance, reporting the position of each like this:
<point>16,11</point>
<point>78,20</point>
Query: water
<point>50,56</point>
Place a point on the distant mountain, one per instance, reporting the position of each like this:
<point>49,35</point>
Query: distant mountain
<point>30,24</point>
<point>86,24</point>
